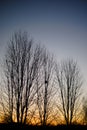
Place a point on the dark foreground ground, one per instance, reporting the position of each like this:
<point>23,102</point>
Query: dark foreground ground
<point>27,127</point>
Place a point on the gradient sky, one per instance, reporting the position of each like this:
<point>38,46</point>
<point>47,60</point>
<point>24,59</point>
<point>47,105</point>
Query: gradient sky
<point>60,25</point>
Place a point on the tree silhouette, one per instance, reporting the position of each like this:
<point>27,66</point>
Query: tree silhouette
<point>85,111</point>
<point>69,83</point>
<point>20,72</point>
<point>45,87</point>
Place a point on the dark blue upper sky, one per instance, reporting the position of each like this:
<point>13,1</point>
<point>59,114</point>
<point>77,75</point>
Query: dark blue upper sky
<point>59,24</point>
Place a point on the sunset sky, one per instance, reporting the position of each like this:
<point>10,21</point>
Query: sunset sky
<point>60,25</point>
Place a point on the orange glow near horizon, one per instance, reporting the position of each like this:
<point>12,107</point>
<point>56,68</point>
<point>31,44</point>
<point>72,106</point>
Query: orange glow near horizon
<point>35,121</point>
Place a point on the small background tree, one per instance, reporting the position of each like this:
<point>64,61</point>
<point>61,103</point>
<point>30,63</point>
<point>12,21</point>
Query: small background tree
<point>69,90</point>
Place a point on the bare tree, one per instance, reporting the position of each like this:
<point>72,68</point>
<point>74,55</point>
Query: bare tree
<point>69,84</point>
<point>20,72</point>
<point>85,111</point>
<point>45,87</point>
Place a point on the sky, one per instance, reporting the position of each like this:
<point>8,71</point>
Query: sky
<point>60,25</point>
